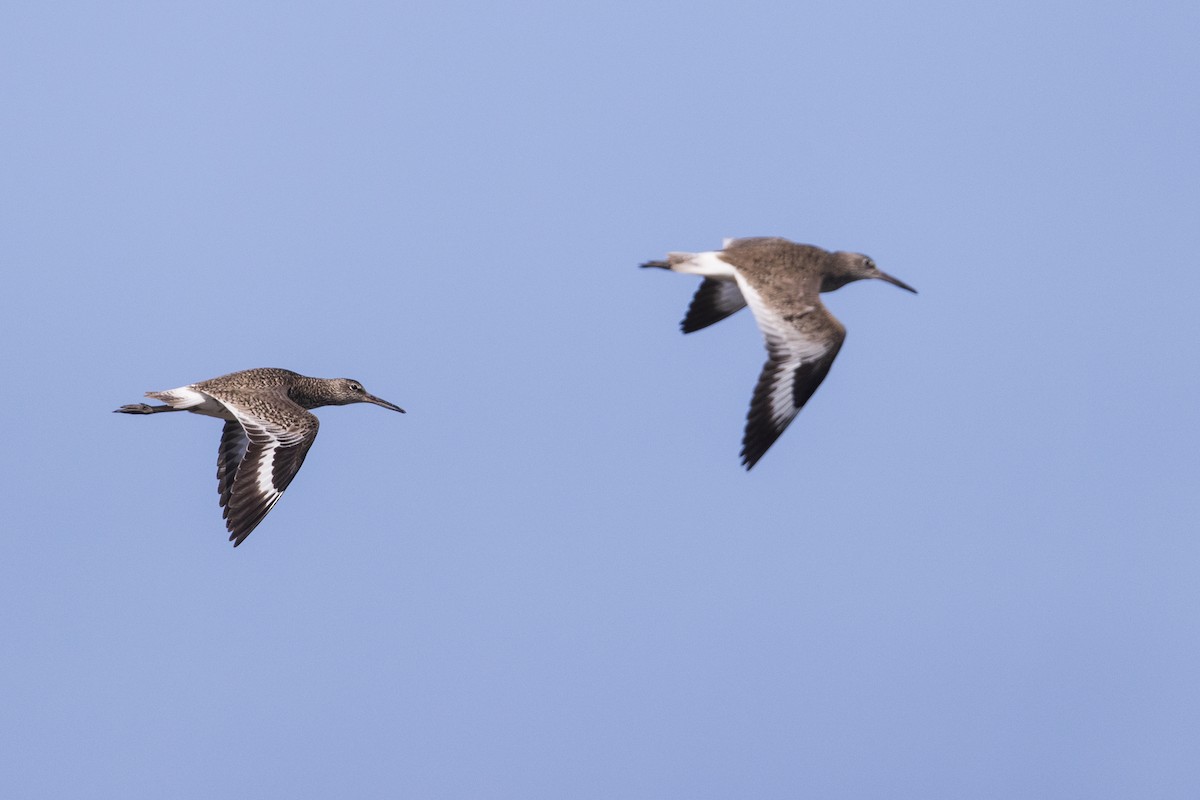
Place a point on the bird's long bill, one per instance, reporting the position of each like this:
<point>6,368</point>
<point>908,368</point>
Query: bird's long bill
<point>883,276</point>
<point>373,399</point>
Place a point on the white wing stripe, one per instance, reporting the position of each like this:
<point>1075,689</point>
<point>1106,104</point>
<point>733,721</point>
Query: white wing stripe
<point>266,469</point>
<point>788,348</point>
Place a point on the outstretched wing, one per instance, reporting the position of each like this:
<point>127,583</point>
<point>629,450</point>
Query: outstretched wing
<point>801,344</point>
<point>714,301</point>
<point>260,454</point>
<point>233,449</point>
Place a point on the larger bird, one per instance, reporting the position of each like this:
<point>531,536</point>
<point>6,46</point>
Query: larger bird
<point>781,281</point>
<point>268,430</point>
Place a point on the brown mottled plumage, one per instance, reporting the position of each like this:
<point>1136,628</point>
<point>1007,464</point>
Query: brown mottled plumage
<point>268,431</point>
<point>781,281</point>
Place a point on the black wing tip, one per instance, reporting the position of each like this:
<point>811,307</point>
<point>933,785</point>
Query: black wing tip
<point>750,458</point>
<point>242,522</point>
<point>238,534</point>
<point>713,301</point>
<point>759,437</point>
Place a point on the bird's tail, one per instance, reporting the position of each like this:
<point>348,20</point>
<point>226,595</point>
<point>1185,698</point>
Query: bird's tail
<point>675,261</point>
<point>709,264</point>
<point>182,399</point>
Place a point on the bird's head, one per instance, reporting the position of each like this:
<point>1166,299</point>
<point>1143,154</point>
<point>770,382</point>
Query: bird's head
<point>849,267</point>
<point>348,390</point>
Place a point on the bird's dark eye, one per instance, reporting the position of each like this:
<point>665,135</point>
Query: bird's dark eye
<point>355,387</point>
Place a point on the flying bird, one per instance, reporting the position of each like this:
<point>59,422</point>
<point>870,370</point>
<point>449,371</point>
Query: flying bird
<point>268,430</point>
<point>781,281</point>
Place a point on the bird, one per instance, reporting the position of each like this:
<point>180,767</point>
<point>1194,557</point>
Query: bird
<point>268,431</point>
<point>781,281</point>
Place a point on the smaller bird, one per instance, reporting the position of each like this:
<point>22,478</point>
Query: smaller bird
<point>268,430</point>
<point>781,281</point>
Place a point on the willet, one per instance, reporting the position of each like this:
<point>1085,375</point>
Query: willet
<point>268,431</point>
<point>781,281</point>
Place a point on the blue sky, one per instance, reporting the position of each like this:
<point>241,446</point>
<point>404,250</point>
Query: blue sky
<point>968,569</point>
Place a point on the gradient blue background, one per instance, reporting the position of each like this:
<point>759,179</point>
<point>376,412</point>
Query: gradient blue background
<point>969,569</point>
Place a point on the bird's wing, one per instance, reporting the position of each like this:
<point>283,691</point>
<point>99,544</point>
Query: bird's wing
<point>714,301</point>
<point>802,342</point>
<point>260,454</point>
<point>230,455</point>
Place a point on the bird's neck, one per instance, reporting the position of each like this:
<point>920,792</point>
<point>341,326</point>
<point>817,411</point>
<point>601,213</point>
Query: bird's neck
<point>831,283</point>
<point>309,393</point>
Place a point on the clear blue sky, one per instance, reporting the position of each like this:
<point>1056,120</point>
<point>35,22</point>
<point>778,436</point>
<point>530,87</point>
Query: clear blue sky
<point>970,569</point>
